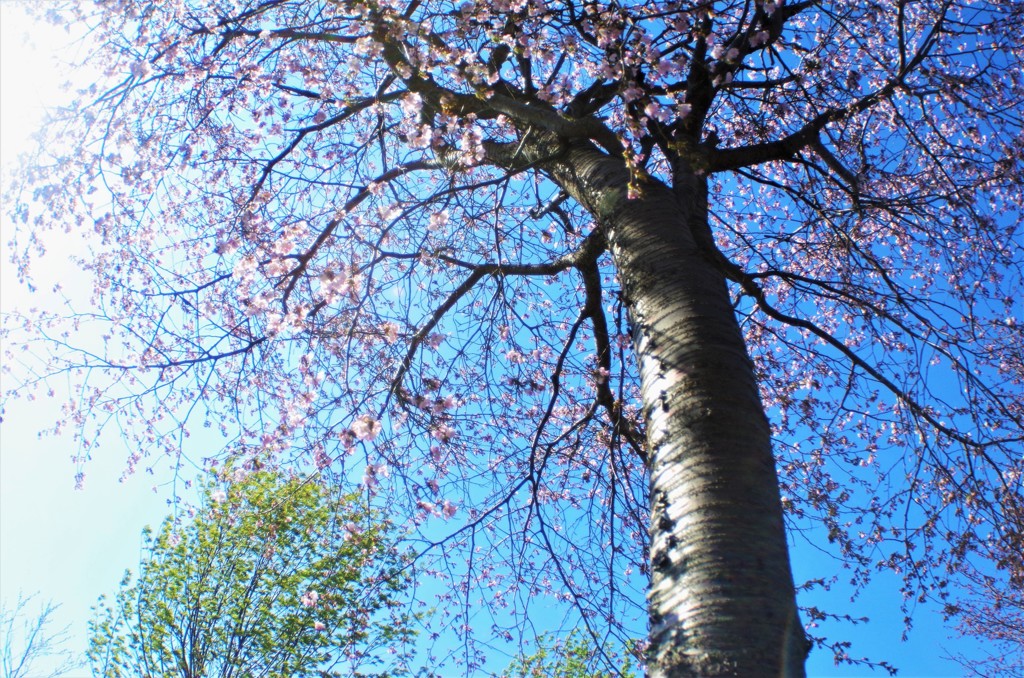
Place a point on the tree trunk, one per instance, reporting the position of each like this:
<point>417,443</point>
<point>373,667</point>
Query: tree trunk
<point>722,601</point>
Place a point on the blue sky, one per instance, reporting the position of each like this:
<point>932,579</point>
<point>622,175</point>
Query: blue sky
<point>72,546</point>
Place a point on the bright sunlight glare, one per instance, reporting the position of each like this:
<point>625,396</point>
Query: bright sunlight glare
<point>65,545</point>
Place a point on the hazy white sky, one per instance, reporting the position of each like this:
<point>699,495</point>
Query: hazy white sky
<point>69,546</point>
<point>28,76</point>
<point>72,546</point>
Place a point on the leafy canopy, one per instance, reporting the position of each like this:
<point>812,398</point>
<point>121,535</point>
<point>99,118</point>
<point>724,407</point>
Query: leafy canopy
<point>574,656</point>
<point>273,576</point>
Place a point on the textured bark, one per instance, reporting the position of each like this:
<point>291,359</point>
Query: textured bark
<point>722,600</point>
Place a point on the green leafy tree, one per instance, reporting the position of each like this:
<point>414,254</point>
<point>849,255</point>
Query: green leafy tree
<point>273,576</point>
<point>574,656</point>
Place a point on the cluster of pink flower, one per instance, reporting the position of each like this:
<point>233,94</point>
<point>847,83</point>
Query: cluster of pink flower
<point>310,598</point>
<point>447,510</point>
<point>366,428</point>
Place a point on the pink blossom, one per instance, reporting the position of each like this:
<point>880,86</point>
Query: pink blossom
<point>412,104</point>
<point>666,67</point>
<point>321,458</point>
<point>319,626</point>
<point>420,136</point>
<point>227,247</point>
<point>283,247</point>
<point>608,35</point>
<point>759,38</point>
<point>141,69</point>
<point>632,93</point>
<point>333,284</point>
<point>438,220</point>
<point>310,598</point>
<point>444,433</point>
<point>390,332</point>
<point>366,428</point>
<point>245,268</point>
<point>471,145</point>
<point>654,110</point>
<point>372,473</point>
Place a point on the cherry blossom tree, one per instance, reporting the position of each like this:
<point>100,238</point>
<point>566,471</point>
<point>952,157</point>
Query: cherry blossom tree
<point>597,295</point>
